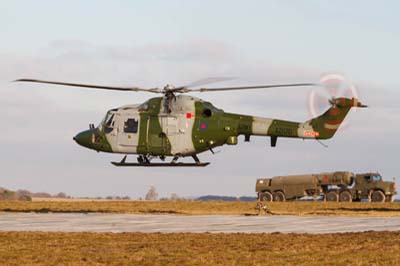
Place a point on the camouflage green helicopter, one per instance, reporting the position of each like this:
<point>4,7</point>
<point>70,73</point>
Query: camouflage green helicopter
<point>179,125</point>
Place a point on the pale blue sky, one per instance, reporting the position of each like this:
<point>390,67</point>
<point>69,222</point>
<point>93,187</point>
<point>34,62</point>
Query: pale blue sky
<point>150,43</point>
<point>316,34</point>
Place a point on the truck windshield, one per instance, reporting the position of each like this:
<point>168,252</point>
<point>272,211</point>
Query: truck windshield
<point>376,178</point>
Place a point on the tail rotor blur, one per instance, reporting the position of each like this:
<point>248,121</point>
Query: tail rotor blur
<point>334,86</point>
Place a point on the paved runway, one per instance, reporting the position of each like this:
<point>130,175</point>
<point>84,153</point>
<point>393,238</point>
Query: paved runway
<point>202,223</point>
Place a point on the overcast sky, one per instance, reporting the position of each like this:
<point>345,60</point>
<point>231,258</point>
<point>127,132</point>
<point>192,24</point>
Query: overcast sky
<point>151,43</point>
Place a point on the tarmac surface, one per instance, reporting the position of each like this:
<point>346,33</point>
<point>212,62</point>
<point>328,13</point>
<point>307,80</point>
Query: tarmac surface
<point>77,222</point>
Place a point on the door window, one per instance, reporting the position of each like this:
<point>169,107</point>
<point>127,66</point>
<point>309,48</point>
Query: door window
<point>131,125</point>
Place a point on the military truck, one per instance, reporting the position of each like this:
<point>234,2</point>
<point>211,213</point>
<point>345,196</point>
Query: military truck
<point>335,186</point>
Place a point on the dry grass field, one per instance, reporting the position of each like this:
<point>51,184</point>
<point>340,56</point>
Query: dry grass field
<point>40,248</point>
<point>201,208</point>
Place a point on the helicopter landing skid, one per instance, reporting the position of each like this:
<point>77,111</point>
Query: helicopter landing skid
<point>160,164</point>
<point>147,163</point>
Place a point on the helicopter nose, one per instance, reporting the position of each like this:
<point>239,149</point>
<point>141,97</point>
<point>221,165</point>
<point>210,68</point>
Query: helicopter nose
<point>84,138</point>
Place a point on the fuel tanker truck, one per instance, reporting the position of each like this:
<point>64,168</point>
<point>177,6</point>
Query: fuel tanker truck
<point>334,186</point>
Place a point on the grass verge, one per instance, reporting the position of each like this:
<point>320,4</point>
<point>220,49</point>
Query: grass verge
<point>41,248</point>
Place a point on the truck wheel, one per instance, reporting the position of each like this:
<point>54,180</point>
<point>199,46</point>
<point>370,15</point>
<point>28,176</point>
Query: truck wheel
<point>278,196</point>
<point>378,196</point>
<point>389,198</point>
<point>345,196</point>
<point>266,196</point>
<point>332,196</point>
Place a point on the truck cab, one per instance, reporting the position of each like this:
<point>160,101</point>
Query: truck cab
<point>372,187</point>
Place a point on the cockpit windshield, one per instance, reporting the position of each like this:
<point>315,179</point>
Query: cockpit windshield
<point>108,121</point>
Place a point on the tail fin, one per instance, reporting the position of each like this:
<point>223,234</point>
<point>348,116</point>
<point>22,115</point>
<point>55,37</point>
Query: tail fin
<point>326,125</point>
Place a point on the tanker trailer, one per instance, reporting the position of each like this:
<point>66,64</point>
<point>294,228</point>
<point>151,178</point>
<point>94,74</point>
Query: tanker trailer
<point>282,188</point>
<point>336,185</point>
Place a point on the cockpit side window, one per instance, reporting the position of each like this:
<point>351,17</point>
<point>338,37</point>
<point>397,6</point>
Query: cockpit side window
<point>131,125</point>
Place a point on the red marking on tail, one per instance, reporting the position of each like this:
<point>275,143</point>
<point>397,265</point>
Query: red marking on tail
<point>311,134</point>
<point>334,111</point>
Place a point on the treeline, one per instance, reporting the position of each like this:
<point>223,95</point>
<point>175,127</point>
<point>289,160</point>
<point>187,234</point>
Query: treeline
<point>26,195</point>
<point>225,198</point>
<point>6,194</point>
<point>107,198</point>
<point>152,195</point>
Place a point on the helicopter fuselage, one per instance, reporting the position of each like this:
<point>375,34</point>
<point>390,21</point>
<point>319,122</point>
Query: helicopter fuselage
<point>188,125</point>
<point>180,125</point>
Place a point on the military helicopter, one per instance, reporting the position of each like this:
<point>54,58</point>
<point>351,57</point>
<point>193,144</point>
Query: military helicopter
<point>179,125</point>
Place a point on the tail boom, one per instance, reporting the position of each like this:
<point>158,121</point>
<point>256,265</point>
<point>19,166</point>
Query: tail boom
<point>321,127</point>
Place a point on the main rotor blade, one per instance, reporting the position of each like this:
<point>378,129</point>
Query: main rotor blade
<point>253,87</point>
<point>186,88</point>
<point>208,80</point>
<point>154,90</point>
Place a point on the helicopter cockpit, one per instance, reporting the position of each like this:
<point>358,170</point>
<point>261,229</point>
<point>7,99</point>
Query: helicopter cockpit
<point>108,122</point>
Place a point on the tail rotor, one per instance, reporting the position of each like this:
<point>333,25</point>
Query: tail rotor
<point>334,87</point>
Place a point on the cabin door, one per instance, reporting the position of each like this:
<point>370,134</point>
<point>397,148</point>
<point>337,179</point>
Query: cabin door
<point>170,125</point>
<point>128,130</point>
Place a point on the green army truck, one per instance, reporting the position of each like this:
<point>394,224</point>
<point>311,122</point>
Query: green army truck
<point>336,186</point>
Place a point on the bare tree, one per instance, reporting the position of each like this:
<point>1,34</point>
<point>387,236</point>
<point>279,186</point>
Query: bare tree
<point>152,194</point>
<point>61,195</point>
<point>174,197</point>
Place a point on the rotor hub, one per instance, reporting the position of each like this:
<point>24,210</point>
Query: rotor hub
<point>169,87</point>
